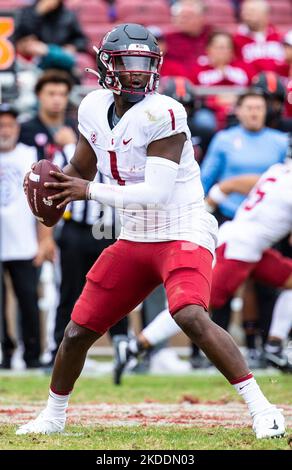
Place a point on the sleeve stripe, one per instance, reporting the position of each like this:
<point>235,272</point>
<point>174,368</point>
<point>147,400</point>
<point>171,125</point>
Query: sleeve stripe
<point>172,119</point>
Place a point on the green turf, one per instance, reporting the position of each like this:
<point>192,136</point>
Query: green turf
<point>15,390</point>
<point>165,389</point>
<point>136,438</point>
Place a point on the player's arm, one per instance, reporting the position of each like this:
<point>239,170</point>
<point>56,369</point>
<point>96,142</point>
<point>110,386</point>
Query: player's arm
<point>160,176</point>
<point>238,184</point>
<point>83,163</point>
<point>46,245</point>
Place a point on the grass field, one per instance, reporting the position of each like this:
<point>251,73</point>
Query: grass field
<point>147,412</point>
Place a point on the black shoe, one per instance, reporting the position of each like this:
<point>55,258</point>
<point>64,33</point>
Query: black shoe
<point>255,359</point>
<point>121,356</point>
<point>279,360</point>
<point>200,362</point>
<point>6,362</point>
<point>33,364</point>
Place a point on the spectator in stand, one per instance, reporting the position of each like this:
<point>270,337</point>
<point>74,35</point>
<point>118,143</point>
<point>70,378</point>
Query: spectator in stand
<point>49,34</point>
<point>257,42</point>
<point>170,67</point>
<point>189,40</point>
<point>25,243</point>
<point>50,131</point>
<point>220,68</point>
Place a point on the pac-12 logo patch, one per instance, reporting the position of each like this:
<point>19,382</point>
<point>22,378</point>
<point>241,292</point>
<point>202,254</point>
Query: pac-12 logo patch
<point>93,137</point>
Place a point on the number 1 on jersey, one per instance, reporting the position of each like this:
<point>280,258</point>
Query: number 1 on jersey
<point>114,168</point>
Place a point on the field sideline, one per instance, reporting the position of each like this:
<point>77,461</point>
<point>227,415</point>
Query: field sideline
<point>186,412</point>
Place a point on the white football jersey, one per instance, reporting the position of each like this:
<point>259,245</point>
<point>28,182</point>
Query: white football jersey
<point>121,155</point>
<point>263,219</point>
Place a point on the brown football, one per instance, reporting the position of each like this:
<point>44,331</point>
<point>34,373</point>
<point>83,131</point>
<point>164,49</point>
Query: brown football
<point>44,209</point>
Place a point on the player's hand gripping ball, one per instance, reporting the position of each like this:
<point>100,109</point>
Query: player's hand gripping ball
<point>44,209</point>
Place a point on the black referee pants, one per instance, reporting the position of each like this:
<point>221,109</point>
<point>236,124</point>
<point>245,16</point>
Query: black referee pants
<point>79,250</point>
<point>24,277</point>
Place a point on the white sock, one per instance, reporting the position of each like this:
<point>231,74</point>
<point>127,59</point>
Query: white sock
<point>161,328</point>
<point>57,405</point>
<point>252,395</point>
<point>282,315</point>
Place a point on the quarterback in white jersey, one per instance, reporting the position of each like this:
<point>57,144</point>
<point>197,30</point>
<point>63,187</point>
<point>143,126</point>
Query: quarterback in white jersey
<point>121,154</point>
<point>140,140</point>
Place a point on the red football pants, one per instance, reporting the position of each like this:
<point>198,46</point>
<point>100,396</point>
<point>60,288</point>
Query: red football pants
<point>127,272</point>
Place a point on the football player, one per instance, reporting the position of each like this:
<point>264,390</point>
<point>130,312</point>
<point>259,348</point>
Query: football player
<point>263,219</point>
<point>140,140</point>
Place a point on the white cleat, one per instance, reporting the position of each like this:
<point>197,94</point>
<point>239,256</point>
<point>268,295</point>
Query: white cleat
<point>270,423</point>
<point>43,424</point>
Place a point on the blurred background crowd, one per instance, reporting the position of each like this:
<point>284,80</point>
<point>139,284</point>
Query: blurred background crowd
<point>214,50</point>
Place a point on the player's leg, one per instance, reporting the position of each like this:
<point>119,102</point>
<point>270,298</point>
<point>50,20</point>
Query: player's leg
<point>278,332</point>
<point>24,278</point>
<point>276,270</point>
<point>159,330</point>
<point>115,285</point>
<point>7,344</point>
<point>187,282</point>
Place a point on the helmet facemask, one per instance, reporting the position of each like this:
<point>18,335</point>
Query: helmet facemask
<point>129,73</point>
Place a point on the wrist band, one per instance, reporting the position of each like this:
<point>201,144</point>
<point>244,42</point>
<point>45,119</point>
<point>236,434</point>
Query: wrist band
<point>217,195</point>
<point>88,194</point>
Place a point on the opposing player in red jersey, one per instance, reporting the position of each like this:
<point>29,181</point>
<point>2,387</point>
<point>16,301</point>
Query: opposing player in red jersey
<point>140,140</point>
<point>257,42</point>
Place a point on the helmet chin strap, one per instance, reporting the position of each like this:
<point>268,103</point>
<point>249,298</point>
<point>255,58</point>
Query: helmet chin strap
<point>133,97</point>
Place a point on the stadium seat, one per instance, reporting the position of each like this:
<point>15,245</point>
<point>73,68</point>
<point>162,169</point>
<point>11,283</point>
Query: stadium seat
<point>142,12</point>
<point>220,12</point>
<point>90,11</point>
<point>95,32</point>
<point>11,4</point>
<point>283,28</point>
<point>281,12</point>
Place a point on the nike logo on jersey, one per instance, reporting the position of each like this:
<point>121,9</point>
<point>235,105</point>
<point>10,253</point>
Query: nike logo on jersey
<point>125,142</point>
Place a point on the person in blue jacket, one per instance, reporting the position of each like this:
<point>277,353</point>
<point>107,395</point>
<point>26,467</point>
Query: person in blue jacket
<point>249,147</point>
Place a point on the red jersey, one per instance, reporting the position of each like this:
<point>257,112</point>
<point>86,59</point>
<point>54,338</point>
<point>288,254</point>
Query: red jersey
<point>186,49</point>
<point>235,73</point>
<point>172,68</point>
<point>262,50</point>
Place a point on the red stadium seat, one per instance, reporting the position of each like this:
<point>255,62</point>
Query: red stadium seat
<point>151,12</point>
<point>95,32</point>
<point>219,12</point>
<point>11,4</point>
<point>90,11</point>
<point>284,28</point>
<point>281,12</point>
